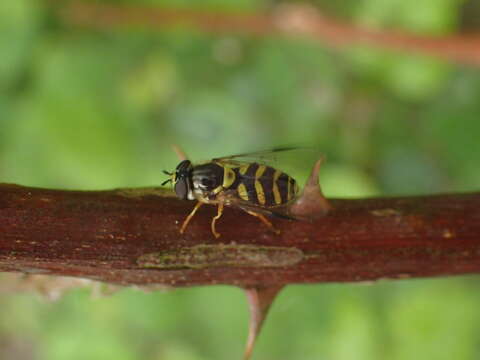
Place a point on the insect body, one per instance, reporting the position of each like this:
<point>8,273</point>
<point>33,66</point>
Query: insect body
<point>256,188</point>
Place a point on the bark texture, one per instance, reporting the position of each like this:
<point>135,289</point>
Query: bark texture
<point>131,236</point>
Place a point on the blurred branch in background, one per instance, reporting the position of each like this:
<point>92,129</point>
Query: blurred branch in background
<point>291,20</point>
<point>131,237</point>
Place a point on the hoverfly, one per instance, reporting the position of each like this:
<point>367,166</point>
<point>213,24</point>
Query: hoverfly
<point>254,187</point>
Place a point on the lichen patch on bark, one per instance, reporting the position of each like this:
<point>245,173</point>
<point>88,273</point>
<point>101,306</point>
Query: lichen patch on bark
<point>205,256</point>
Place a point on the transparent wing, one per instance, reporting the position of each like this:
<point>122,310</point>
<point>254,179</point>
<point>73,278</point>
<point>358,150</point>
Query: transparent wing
<point>292,161</point>
<point>257,155</point>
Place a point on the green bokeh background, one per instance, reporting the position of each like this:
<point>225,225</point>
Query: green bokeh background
<point>97,109</point>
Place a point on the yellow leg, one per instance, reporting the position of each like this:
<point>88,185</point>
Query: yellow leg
<point>265,221</point>
<point>189,217</point>
<point>215,218</point>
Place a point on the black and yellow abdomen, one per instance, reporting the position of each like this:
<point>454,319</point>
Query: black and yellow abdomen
<point>263,185</point>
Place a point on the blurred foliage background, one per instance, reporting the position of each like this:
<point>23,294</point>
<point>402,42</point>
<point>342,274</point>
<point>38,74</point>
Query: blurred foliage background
<point>85,108</point>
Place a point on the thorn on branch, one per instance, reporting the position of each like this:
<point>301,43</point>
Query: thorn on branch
<point>311,204</point>
<point>259,299</point>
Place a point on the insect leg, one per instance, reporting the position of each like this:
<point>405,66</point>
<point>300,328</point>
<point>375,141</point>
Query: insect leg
<point>215,218</point>
<point>189,217</point>
<point>264,220</point>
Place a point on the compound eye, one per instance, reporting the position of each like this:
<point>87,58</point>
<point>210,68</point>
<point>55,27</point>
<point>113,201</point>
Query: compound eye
<point>181,189</point>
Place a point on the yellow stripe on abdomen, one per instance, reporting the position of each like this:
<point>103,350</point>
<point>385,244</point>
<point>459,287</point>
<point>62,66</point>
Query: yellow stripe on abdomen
<point>228,177</point>
<point>243,169</point>
<point>242,191</point>
<point>276,192</point>
<point>260,192</point>
<point>261,169</point>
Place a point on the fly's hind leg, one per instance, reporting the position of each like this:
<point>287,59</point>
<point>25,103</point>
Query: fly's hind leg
<point>189,217</point>
<point>215,218</point>
<point>264,220</point>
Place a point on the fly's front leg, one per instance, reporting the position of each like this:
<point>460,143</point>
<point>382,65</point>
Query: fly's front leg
<point>189,217</point>
<point>215,218</point>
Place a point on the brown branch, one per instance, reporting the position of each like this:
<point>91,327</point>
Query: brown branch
<point>286,20</point>
<point>131,237</point>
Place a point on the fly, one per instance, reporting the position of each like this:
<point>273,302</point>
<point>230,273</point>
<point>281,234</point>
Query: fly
<point>258,189</point>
